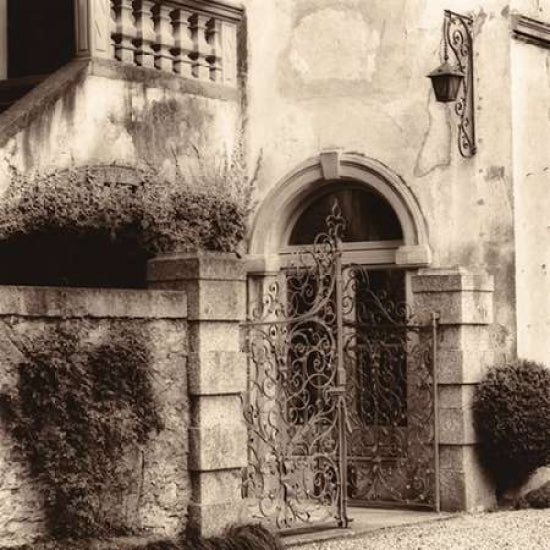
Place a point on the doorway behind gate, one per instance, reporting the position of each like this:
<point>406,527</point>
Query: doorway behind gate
<point>341,405</point>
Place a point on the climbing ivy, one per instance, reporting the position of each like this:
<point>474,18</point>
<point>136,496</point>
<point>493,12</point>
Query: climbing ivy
<point>77,414</point>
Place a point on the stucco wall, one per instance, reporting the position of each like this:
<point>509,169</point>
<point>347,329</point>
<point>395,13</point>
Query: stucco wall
<point>531,95</point>
<point>112,113</point>
<point>536,9</point>
<point>351,75</point>
<point>157,501</point>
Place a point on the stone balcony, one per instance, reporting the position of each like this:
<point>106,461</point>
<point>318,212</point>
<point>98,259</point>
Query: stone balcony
<point>195,39</point>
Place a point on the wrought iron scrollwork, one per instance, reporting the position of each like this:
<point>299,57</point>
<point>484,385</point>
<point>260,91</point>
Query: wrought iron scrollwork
<point>335,361</point>
<point>458,36</point>
<point>292,412</point>
<point>390,389</point>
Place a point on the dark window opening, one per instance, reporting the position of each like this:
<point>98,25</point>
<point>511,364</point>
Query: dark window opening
<point>381,354</point>
<point>368,216</point>
<point>40,36</point>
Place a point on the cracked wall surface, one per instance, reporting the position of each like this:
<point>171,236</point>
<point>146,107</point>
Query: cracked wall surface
<point>351,75</point>
<point>113,115</point>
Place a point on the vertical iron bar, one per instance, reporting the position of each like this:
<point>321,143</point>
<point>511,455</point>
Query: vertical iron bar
<point>341,384</point>
<point>470,98</point>
<point>435,319</point>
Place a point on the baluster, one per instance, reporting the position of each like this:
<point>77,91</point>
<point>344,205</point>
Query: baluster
<point>183,42</point>
<point>124,31</point>
<point>164,40</point>
<point>201,48</point>
<point>213,37</point>
<point>145,33</point>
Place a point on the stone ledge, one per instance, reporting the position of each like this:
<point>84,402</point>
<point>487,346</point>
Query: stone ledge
<point>152,78</point>
<point>229,10</point>
<point>531,30</point>
<point>95,303</point>
<point>413,256</point>
<point>34,104</point>
<point>451,280</point>
<point>210,266</point>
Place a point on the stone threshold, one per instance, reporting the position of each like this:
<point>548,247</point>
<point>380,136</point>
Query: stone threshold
<point>364,521</point>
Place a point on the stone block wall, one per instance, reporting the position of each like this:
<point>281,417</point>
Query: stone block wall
<point>159,498</point>
<point>464,303</point>
<point>216,287</point>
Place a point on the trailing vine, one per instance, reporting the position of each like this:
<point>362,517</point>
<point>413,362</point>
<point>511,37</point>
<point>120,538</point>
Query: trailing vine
<point>78,415</point>
<point>98,225</point>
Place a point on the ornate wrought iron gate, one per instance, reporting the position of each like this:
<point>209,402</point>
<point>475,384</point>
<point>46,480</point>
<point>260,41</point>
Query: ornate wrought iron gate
<point>341,403</point>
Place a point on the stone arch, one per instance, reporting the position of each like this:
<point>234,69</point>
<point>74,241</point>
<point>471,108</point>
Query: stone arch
<point>284,204</point>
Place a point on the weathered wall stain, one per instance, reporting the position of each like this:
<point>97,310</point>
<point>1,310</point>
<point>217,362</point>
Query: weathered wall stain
<point>165,129</point>
<point>435,151</point>
<point>494,173</point>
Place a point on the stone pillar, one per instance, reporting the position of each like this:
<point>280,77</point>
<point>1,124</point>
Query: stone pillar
<point>464,302</point>
<point>93,28</point>
<point>217,371</point>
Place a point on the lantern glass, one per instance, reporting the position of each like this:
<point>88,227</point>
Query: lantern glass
<point>446,81</point>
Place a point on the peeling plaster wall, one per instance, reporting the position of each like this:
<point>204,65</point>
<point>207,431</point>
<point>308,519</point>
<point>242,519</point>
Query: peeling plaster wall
<point>531,95</point>
<point>351,74</point>
<point>117,119</point>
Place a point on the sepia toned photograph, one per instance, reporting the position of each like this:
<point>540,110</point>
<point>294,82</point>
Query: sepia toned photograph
<point>274,274</point>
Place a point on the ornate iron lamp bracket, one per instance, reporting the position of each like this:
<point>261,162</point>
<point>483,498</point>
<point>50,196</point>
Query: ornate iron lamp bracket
<point>458,37</point>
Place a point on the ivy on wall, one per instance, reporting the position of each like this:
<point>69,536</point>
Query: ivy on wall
<point>80,415</point>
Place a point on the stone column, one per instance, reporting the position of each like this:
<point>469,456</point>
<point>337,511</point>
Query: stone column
<point>93,28</point>
<point>217,371</point>
<point>464,302</point>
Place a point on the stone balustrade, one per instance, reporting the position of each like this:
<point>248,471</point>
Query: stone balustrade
<point>191,38</point>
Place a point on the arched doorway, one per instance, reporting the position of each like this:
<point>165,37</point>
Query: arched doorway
<point>341,402</point>
<point>284,204</point>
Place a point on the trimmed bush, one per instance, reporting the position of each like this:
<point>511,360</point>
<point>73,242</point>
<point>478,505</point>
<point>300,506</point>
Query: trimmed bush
<point>512,419</point>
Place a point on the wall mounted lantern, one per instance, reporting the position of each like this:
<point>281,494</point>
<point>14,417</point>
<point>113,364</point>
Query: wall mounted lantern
<point>455,82</point>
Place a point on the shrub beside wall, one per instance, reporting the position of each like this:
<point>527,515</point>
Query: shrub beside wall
<point>512,418</point>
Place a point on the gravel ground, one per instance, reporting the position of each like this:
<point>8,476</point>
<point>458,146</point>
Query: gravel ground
<point>525,530</point>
